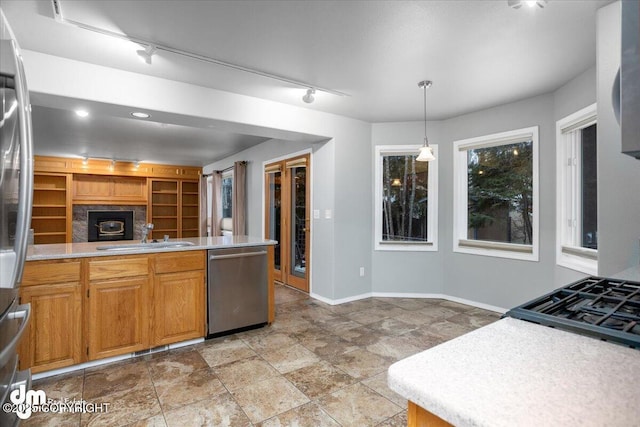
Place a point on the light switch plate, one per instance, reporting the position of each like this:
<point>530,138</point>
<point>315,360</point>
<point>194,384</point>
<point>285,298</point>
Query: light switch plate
<point>327,214</point>
<point>316,214</point>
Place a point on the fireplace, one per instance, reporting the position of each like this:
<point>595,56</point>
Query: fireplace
<point>109,225</point>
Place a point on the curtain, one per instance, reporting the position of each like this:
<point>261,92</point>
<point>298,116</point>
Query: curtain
<point>203,206</point>
<point>239,197</point>
<point>216,203</point>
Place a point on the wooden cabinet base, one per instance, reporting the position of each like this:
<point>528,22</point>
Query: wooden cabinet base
<point>420,417</point>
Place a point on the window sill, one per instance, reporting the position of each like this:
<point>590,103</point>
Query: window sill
<point>406,247</point>
<point>575,259</point>
<point>497,249</point>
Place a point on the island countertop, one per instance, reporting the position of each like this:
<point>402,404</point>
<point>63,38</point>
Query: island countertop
<point>517,373</point>
<point>90,249</point>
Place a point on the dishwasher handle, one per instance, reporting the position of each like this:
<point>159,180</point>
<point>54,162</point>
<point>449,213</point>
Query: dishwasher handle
<point>241,255</point>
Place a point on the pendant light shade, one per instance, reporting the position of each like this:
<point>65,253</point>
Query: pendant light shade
<point>426,153</point>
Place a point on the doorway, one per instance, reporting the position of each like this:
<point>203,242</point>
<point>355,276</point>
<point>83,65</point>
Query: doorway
<point>287,220</point>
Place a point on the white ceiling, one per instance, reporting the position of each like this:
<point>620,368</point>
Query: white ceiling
<point>478,53</point>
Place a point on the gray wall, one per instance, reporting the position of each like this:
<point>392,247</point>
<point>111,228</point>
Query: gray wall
<point>618,174</point>
<point>410,272</point>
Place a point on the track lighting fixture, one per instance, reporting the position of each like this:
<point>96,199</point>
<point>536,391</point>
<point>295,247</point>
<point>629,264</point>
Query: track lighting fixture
<point>146,53</point>
<point>426,153</point>
<point>309,98</point>
<point>152,47</point>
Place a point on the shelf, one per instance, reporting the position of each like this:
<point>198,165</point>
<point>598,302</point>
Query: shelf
<point>195,193</point>
<point>39,217</point>
<point>190,229</point>
<point>158,230</point>
<point>51,233</point>
<point>189,205</point>
<point>164,217</point>
<point>48,189</point>
<point>50,206</point>
<point>190,216</point>
<point>164,204</point>
<point>164,192</point>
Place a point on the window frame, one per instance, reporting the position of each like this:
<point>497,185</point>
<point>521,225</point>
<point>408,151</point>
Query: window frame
<point>431,245</point>
<point>569,255</point>
<point>461,244</point>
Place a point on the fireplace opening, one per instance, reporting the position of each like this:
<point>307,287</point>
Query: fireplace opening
<point>109,225</point>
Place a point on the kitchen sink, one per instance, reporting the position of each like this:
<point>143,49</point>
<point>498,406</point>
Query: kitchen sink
<point>152,245</point>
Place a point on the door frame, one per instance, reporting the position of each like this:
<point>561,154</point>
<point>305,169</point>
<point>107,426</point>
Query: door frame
<point>308,151</point>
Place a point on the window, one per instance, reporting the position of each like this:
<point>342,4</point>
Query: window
<point>496,195</point>
<point>577,192</point>
<point>227,194</point>
<point>406,199</point>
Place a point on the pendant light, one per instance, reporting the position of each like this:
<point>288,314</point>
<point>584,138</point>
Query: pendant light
<point>426,153</point>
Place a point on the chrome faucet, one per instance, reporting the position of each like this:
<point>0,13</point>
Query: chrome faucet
<point>145,231</point>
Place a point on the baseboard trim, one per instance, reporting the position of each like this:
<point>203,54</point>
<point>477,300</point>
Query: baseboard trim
<point>342,300</point>
<point>411,295</point>
<point>106,361</point>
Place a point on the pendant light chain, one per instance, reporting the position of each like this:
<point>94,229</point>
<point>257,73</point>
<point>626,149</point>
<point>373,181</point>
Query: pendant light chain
<point>426,153</point>
<point>426,141</point>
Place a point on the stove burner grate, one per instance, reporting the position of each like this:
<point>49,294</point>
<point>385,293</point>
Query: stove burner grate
<point>607,309</point>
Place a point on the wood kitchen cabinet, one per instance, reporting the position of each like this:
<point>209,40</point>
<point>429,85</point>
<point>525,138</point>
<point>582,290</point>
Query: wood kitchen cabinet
<point>178,297</point>
<point>109,189</point>
<point>118,299</point>
<point>174,208</point>
<point>54,336</point>
<point>51,214</point>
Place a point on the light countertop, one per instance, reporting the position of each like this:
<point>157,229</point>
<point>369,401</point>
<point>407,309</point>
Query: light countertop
<point>516,373</point>
<point>80,250</point>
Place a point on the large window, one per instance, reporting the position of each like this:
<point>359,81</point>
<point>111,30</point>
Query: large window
<point>577,192</point>
<point>405,199</point>
<point>496,195</point>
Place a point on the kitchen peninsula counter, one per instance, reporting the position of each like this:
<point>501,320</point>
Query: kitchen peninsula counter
<point>515,372</point>
<point>82,250</point>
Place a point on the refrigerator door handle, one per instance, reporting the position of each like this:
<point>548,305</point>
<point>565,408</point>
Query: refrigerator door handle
<point>25,196</point>
<point>22,312</point>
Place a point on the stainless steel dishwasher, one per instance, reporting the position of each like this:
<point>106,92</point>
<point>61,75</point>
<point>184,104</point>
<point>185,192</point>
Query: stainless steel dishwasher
<point>236,289</point>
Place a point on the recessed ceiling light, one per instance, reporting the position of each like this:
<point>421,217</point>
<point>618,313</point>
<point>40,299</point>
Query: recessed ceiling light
<point>82,113</point>
<point>140,115</point>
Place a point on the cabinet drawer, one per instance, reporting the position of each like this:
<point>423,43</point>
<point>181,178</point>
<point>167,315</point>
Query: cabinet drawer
<point>176,261</point>
<point>112,268</point>
<point>46,272</point>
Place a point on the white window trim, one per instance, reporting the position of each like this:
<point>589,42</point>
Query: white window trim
<point>569,256</point>
<point>460,192</point>
<point>431,245</point>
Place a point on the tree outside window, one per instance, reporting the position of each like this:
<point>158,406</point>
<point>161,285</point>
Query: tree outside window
<point>500,193</point>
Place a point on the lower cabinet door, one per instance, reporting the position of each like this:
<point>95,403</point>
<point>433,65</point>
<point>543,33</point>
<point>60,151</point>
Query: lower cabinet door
<point>118,317</point>
<point>54,338</point>
<point>179,301</point>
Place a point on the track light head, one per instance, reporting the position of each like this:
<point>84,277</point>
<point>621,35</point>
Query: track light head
<point>146,54</point>
<point>308,97</point>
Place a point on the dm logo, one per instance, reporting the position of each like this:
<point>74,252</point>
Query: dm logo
<point>26,400</point>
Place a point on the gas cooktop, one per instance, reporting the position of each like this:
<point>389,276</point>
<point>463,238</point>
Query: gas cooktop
<point>607,309</point>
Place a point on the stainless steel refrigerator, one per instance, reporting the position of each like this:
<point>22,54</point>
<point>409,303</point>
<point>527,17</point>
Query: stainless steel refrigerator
<point>16,193</point>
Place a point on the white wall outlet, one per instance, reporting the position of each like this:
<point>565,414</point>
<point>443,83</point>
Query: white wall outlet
<point>327,214</point>
<point>316,214</point>
<point>361,271</point>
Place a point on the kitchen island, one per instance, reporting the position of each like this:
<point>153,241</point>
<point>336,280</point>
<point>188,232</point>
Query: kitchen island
<point>517,373</point>
<point>88,303</point>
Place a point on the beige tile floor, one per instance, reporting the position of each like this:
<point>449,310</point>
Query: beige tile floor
<point>317,365</point>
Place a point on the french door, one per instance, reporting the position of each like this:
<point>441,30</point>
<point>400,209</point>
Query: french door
<point>287,220</point>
